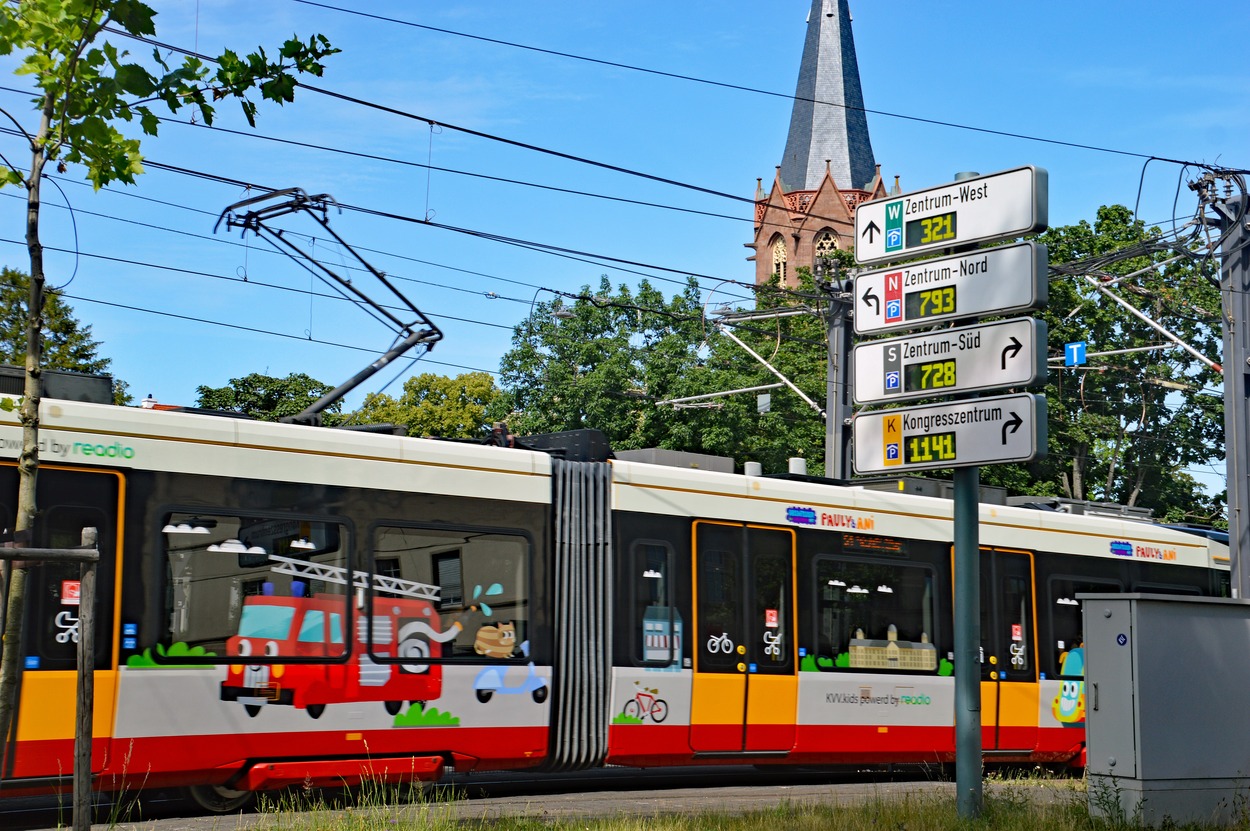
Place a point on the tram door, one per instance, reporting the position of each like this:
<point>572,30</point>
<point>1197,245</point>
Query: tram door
<point>69,500</point>
<point>745,693</point>
<point>1009,687</point>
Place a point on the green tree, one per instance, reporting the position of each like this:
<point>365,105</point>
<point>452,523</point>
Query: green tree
<point>601,361</point>
<point>435,405</point>
<point>67,342</point>
<point>1123,428</point>
<point>266,398</point>
<point>605,360</point>
<point>86,87</point>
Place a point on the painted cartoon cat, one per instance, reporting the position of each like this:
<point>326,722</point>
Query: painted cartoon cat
<point>496,640</point>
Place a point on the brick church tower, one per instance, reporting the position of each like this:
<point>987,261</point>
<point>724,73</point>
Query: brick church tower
<point>828,166</point>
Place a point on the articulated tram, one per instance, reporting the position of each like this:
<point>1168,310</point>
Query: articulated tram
<point>282,604</point>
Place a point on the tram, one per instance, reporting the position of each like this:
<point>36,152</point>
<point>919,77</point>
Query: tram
<point>282,604</point>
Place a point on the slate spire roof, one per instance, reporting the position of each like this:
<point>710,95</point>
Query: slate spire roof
<point>836,128</point>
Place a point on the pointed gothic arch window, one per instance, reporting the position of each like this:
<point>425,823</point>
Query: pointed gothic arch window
<point>779,258</point>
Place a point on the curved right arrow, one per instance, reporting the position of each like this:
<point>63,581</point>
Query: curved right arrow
<point>1010,352</point>
<point>1014,423</point>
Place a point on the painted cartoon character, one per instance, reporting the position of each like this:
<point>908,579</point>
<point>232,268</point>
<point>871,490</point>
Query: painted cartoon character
<point>496,640</point>
<point>1068,706</point>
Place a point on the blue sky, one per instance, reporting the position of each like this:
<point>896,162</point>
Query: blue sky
<point>1143,78</point>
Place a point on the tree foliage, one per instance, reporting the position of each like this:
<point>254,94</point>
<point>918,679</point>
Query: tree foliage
<point>86,89</point>
<point>266,398</point>
<point>67,342</point>
<point>435,405</point>
<point>612,357</point>
<point>1124,427</point>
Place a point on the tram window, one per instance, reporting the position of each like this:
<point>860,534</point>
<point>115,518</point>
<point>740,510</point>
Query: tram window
<point>719,611</point>
<point>873,615</point>
<point>657,625</point>
<point>233,580</point>
<point>1067,654</point>
<point>469,590</point>
<point>1165,588</point>
<point>55,605</point>
<point>1014,592</point>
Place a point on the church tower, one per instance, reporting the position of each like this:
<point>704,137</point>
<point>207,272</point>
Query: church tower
<point>828,166</point>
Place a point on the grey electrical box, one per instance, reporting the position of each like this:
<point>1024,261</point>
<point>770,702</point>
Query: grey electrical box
<point>1167,728</point>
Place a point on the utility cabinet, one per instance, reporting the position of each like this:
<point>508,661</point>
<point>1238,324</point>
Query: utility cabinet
<point>1167,683</point>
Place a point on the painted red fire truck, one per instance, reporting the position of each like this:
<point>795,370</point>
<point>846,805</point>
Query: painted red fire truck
<point>404,624</point>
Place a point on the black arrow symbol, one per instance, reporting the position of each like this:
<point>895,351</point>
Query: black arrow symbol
<point>1014,423</point>
<point>873,228</point>
<point>869,297</point>
<point>1011,352</point>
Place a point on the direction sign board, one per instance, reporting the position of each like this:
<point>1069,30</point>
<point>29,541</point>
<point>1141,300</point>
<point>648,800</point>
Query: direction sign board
<point>992,281</point>
<point>1006,428</point>
<point>993,207</point>
<point>988,356</point>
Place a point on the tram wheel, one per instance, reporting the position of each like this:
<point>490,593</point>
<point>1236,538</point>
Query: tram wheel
<point>393,707</point>
<point>252,710</point>
<point>315,710</point>
<point>218,799</point>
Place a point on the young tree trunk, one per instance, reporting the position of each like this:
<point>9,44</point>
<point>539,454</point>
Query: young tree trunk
<point>28,462</point>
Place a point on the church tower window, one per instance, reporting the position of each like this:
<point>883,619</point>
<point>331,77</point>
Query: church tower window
<point>779,258</point>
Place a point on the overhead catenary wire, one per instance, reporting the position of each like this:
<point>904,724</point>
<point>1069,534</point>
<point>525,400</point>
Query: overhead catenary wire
<point>744,88</point>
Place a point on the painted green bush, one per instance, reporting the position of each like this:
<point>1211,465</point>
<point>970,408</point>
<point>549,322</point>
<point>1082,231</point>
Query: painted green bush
<point>168,658</point>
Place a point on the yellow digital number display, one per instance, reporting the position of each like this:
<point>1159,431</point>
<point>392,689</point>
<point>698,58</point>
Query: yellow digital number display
<point>934,447</point>
<point>934,375</point>
<point>929,302</point>
<point>930,229</point>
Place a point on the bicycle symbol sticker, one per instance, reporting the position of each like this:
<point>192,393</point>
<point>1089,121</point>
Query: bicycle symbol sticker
<point>720,643</point>
<point>645,704</point>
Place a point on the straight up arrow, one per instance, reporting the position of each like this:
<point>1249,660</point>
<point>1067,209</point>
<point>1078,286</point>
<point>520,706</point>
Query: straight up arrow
<point>873,228</point>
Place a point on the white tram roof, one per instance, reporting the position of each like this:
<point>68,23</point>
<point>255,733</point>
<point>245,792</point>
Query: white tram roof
<point>79,433</point>
<point>182,442</point>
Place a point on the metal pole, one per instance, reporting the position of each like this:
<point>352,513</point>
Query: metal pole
<point>86,689</point>
<point>967,493</point>
<point>968,785</point>
<point>838,395</point>
<point>1235,293</point>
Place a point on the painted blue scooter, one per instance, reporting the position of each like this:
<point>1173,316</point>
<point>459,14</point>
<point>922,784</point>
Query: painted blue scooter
<point>495,679</point>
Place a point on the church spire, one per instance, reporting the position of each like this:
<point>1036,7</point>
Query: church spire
<point>836,128</point>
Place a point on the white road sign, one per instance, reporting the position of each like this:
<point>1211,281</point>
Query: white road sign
<point>988,356</point>
<point>993,207</point>
<point>992,281</point>
<point>1007,428</point>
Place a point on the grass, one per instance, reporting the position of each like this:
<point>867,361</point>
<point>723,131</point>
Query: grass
<point>1021,802</point>
<point>1030,803</point>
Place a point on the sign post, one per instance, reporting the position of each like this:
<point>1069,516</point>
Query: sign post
<point>965,433</point>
